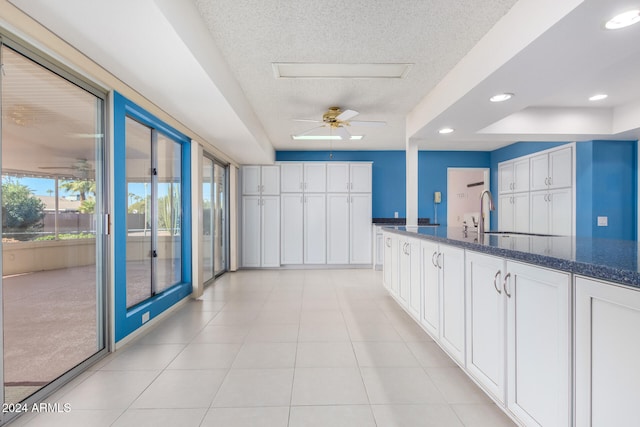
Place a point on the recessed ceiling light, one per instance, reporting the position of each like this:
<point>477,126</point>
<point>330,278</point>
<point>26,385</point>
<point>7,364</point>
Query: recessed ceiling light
<point>324,137</point>
<point>598,97</point>
<point>445,130</point>
<point>625,19</point>
<point>501,97</point>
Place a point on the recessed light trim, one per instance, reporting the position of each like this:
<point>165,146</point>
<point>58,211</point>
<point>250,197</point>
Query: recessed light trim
<point>598,97</point>
<point>303,70</point>
<point>445,131</point>
<point>324,137</point>
<point>623,20</point>
<point>501,97</point>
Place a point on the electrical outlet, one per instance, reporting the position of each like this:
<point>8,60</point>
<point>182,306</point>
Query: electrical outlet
<point>145,317</point>
<point>603,221</point>
<point>395,214</point>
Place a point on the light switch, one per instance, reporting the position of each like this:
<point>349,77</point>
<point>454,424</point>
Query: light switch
<point>603,221</point>
<point>395,214</point>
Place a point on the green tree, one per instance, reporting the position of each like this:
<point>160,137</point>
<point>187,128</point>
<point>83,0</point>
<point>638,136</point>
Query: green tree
<point>21,210</point>
<point>81,187</point>
<point>169,210</point>
<point>88,206</point>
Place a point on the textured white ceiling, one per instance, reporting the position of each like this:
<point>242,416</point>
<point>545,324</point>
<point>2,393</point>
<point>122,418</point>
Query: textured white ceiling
<point>208,63</point>
<point>434,35</point>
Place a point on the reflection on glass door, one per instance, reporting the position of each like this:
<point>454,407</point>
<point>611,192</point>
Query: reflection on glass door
<point>214,204</point>
<point>52,201</point>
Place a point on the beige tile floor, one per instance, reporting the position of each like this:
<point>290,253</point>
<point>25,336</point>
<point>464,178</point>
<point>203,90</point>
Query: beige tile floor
<point>279,348</point>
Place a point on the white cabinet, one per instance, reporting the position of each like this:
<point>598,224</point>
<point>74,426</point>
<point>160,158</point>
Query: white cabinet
<point>345,177</point>
<point>552,212</point>
<point>485,358</point>
<point>360,228</point>
<point>338,228</point>
<point>260,216</point>
<point>553,169</point>
<point>513,176</point>
<point>410,268</point>
<point>260,231</point>
<point>518,334</point>
<point>303,177</point>
<point>607,340</point>
<point>263,180</point>
<point>315,229</point>
<point>292,226</point>
<point>514,212</point>
<point>430,318</point>
<point>538,345</point>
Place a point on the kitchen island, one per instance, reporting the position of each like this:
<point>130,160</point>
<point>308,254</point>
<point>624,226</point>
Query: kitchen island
<point>548,326</point>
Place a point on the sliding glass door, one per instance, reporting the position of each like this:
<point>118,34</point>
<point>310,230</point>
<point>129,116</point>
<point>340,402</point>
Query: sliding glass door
<point>52,285</point>
<point>215,218</point>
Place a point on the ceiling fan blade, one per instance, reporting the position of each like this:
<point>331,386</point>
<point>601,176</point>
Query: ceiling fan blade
<point>346,115</point>
<point>343,133</point>
<point>310,130</point>
<point>370,124</point>
<point>307,120</point>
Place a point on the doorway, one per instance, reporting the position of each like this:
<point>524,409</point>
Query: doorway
<point>215,207</point>
<point>53,239</point>
<point>464,186</point>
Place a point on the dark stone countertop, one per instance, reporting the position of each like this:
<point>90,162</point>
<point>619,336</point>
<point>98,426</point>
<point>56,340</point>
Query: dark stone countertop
<point>604,259</point>
<point>400,221</point>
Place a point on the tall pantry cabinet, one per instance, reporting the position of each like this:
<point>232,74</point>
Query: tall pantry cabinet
<point>260,216</point>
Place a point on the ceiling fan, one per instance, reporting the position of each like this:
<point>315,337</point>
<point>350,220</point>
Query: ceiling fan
<point>337,119</point>
<point>82,169</point>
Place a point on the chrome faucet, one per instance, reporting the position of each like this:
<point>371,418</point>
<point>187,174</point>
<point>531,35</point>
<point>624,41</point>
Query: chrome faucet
<point>481,219</point>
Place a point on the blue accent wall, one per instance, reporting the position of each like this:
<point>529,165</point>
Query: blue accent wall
<point>606,185</point>
<point>128,320</point>
<point>432,177</point>
<point>388,175</point>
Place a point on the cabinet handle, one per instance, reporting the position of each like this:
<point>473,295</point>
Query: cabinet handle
<point>438,260</point>
<point>495,279</point>
<point>504,284</point>
<point>351,187</point>
<point>549,180</point>
<point>388,242</point>
<point>258,188</point>
<point>433,259</point>
<point>408,250</point>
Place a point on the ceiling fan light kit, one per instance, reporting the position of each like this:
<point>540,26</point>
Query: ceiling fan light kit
<point>336,119</point>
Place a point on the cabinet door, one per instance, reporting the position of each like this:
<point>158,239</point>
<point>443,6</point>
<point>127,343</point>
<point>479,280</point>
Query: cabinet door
<point>270,176</point>
<point>386,262</point>
<point>560,211</point>
<point>270,231</point>
<point>430,318</point>
<point>505,177</point>
<point>539,172</point>
<point>521,175</point>
<point>251,180</point>
<point>360,177</point>
<point>607,344</point>
<point>292,228</point>
<point>538,345</point>
<point>539,212</point>
<point>338,228</point>
<point>315,227</point>
<point>485,322</point>
<point>360,228</point>
<point>379,252</point>
<point>291,178</point>
<point>561,168</point>
<point>337,177</point>
<point>251,241</point>
<point>404,290</point>
<point>395,264</point>
<point>415,294</point>
<point>315,177</point>
<point>520,205</point>
<point>505,212</point>
<point>452,301</point>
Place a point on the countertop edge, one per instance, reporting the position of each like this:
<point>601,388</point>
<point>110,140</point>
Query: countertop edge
<point>593,271</point>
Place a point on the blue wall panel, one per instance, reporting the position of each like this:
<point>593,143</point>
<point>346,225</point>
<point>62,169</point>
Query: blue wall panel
<point>388,170</point>
<point>432,177</point>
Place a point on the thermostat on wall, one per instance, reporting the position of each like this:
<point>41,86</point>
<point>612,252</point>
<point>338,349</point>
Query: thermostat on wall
<point>437,197</point>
